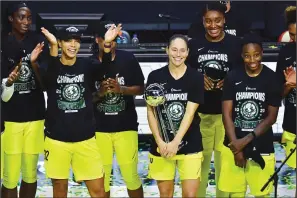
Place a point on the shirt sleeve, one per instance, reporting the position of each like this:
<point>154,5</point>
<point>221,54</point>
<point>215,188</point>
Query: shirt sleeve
<point>136,77</point>
<point>228,88</point>
<point>7,92</point>
<point>196,92</point>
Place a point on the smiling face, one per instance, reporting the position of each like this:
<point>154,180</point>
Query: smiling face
<point>177,52</point>
<point>69,47</point>
<point>21,20</point>
<point>213,22</point>
<point>252,54</point>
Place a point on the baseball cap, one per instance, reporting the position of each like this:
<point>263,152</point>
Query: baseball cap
<point>69,32</point>
<point>102,27</point>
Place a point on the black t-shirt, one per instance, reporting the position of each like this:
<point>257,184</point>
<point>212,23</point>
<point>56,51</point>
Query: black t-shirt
<point>27,103</point>
<point>251,97</point>
<point>215,59</point>
<point>287,58</point>
<point>69,115</point>
<point>178,92</point>
<point>116,112</point>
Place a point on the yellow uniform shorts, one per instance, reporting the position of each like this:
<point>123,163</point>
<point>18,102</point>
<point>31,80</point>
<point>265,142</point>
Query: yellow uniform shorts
<point>235,179</point>
<point>125,145</point>
<point>2,154</point>
<point>83,157</point>
<point>212,131</point>
<point>289,138</point>
<point>188,166</point>
<point>24,137</point>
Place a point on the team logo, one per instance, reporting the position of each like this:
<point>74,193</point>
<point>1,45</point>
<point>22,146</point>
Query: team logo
<point>71,92</point>
<point>112,98</point>
<point>72,29</point>
<point>249,110</point>
<point>176,110</point>
<point>25,72</point>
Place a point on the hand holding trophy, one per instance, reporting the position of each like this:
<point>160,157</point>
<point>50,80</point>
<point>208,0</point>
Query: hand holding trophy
<point>155,96</point>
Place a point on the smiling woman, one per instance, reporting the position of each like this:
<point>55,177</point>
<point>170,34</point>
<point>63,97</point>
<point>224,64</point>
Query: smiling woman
<point>24,134</point>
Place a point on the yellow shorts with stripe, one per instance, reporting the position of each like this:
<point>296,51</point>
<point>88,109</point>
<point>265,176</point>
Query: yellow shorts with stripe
<point>83,157</point>
<point>212,131</point>
<point>235,179</point>
<point>188,166</point>
<point>24,137</point>
<point>288,138</point>
<point>125,146</point>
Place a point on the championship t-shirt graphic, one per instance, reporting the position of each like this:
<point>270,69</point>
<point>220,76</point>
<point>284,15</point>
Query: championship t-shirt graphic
<point>26,80</point>
<point>70,92</point>
<point>214,65</point>
<point>112,103</point>
<point>249,109</point>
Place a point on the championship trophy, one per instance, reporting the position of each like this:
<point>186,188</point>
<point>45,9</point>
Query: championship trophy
<point>155,96</point>
<point>214,72</point>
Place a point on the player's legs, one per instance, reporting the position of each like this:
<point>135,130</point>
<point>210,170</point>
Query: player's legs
<point>189,168</point>
<point>288,138</point>
<point>126,149</point>
<point>232,178</point>
<point>163,171</point>
<point>12,148</point>
<point>256,177</point>
<point>88,167</point>
<point>105,145</point>
<point>218,146</point>
<point>207,129</point>
<point>57,162</point>
<point>33,146</point>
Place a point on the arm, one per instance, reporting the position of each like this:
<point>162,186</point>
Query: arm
<point>153,124</point>
<point>227,120</point>
<point>7,91</point>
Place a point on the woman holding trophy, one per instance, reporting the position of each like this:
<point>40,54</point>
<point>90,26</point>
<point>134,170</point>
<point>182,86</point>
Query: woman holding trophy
<point>173,94</point>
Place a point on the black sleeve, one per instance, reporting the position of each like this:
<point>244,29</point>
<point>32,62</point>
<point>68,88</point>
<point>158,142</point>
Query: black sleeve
<point>43,59</point>
<point>228,88</point>
<point>48,73</point>
<point>196,92</point>
<point>151,78</point>
<point>274,92</point>
<point>280,66</point>
<point>136,76</point>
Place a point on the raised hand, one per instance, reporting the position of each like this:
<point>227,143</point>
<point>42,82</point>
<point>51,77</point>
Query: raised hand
<point>49,36</point>
<point>112,33</point>
<point>290,76</point>
<point>36,52</point>
<point>14,75</point>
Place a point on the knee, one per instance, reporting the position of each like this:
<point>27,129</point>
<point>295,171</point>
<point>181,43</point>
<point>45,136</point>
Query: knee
<point>166,192</point>
<point>60,187</point>
<point>190,194</point>
<point>99,191</point>
<point>130,176</point>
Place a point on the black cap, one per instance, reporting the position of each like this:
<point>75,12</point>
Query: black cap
<point>102,27</point>
<point>69,32</point>
<point>15,6</point>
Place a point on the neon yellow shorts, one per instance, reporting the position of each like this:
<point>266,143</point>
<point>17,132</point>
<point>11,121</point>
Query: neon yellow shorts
<point>235,179</point>
<point>289,138</point>
<point>212,131</point>
<point>188,166</point>
<point>2,154</point>
<point>125,145</point>
<point>24,137</point>
<point>83,157</point>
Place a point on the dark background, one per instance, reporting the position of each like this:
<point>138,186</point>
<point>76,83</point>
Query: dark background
<point>142,16</point>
